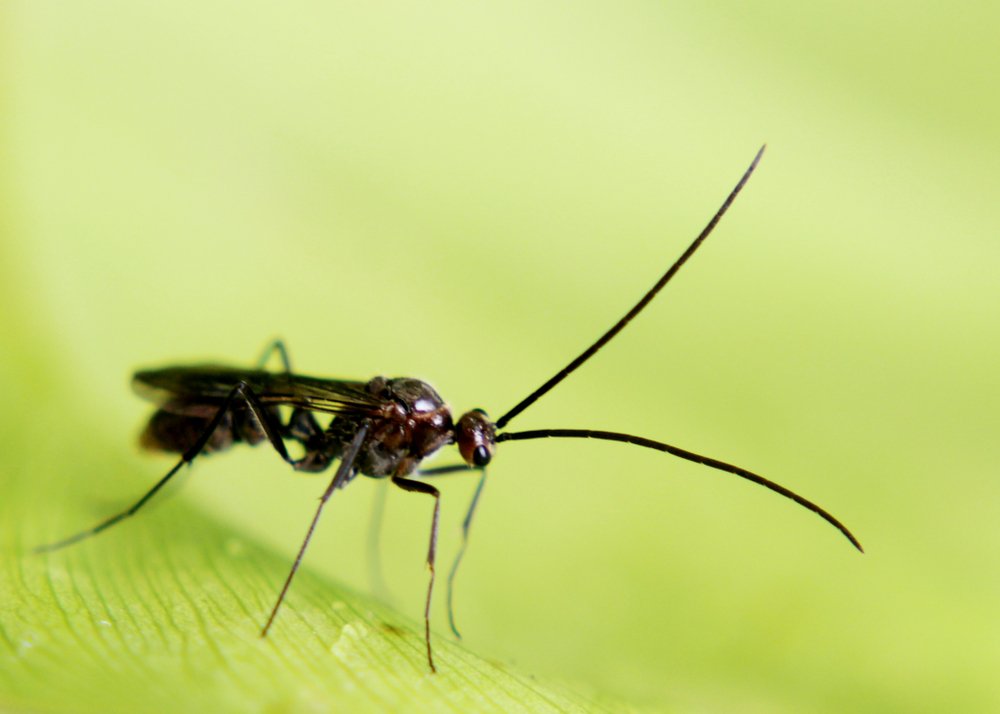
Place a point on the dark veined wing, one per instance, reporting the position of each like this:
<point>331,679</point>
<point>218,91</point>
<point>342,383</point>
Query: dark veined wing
<point>333,396</point>
<point>209,382</point>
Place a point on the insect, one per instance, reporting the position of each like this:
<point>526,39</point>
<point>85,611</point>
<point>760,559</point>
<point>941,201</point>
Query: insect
<point>382,428</point>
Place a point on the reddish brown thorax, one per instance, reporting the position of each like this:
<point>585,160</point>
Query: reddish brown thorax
<point>412,424</point>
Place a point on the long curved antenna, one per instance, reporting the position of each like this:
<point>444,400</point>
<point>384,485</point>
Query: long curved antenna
<point>690,456</point>
<point>638,307</point>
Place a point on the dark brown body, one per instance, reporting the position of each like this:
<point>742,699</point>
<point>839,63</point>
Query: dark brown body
<point>382,428</point>
<point>407,419</point>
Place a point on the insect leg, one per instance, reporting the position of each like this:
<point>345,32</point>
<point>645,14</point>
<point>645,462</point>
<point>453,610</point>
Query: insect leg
<point>272,430</point>
<point>443,470</point>
<point>461,551</point>
<point>375,575</point>
<point>241,390</point>
<point>339,478</point>
<point>420,487</point>
<point>275,345</point>
<point>450,588</point>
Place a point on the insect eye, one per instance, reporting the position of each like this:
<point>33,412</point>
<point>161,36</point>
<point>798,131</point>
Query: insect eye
<point>481,455</point>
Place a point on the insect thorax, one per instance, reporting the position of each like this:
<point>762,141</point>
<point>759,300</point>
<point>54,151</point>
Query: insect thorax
<point>412,423</point>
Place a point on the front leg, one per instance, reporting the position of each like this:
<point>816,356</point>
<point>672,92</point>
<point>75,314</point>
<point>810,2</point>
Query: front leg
<point>420,487</point>
<point>466,525</point>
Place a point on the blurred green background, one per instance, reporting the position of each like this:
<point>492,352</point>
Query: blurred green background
<point>470,193</point>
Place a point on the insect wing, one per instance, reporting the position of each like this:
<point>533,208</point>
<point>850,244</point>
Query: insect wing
<point>210,383</point>
<point>332,396</point>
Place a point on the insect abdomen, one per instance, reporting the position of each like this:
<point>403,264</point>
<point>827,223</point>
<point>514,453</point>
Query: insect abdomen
<point>176,427</point>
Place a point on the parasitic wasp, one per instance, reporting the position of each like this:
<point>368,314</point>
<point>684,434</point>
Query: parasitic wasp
<point>382,428</point>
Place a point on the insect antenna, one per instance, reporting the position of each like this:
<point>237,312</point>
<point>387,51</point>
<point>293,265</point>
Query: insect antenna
<point>649,443</point>
<point>638,307</point>
<point>690,456</point>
